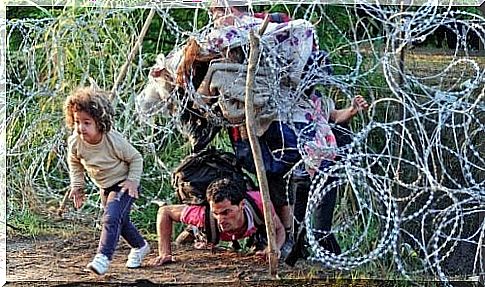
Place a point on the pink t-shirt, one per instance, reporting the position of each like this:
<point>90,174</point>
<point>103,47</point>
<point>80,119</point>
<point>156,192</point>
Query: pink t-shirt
<point>195,215</point>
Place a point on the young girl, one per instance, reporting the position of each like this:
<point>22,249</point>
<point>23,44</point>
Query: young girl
<point>113,164</point>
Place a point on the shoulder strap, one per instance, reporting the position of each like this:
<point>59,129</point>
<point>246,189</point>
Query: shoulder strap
<point>211,228</point>
<point>257,215</point>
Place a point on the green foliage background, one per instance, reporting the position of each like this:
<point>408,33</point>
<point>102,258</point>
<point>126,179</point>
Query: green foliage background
<point>52,50</point>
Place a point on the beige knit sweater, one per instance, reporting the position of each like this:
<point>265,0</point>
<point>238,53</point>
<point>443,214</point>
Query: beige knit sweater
<point>110,161</point>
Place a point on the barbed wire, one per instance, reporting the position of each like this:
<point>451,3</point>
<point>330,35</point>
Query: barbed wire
<point>411,182</point>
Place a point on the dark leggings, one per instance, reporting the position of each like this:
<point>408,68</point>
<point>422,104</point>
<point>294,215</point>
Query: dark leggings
<point>116,221</point>
<point>322,215</point>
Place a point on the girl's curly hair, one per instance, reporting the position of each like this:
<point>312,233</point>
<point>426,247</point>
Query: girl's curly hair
<point>92,101</point>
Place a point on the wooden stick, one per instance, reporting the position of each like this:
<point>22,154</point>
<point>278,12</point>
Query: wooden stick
<point>134,50</point>
<point>256,149</point>
<point>63,203</point>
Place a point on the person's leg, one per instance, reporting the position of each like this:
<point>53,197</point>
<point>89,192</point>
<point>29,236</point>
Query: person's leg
<point>111,224</point>
<point>285,214</point>
<point>128,231</point>
<point>323,219</point>
<point>299,187</point>
<point>280,199</point>
<point>187,236</point>
<point>139,247</point>
<point>281,142</point>
<point>281,202</point>
<point>276,183</point>
<point>110,232</point>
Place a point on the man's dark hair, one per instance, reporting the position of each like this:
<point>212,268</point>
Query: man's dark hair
<point>225,188</point>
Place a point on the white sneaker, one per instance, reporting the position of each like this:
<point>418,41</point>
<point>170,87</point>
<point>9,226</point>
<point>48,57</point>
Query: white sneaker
<point>99,265</point>
<point>136,256</point>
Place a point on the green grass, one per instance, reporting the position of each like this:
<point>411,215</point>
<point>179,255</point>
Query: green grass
<point>30,224</point>
<point>46,60</point>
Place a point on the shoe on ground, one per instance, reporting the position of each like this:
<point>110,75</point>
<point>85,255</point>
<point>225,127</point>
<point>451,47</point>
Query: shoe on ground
<point>235,245</point>
<point>287,248</point>
<point>298,251</point>
<point>330,243</point>
<point>136,256</point>
<point>99,265</point>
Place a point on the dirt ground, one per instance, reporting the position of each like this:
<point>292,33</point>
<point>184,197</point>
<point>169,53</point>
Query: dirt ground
<point>61,261</point>
<point>58,260</point>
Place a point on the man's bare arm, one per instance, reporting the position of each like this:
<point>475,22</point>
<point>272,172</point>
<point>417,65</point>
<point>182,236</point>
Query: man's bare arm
<point>166,216</point>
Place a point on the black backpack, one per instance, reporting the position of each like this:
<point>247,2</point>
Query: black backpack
<point>194,174</point>
<point>197,171</point>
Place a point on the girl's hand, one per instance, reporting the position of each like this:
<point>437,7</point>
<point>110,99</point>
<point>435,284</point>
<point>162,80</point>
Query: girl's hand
<point>131,187</point>
<point>77,196</point>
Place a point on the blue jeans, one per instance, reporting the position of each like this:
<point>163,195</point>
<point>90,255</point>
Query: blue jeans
<point>278,148</point>
<point>116,221</point>
<point>279,153</point>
